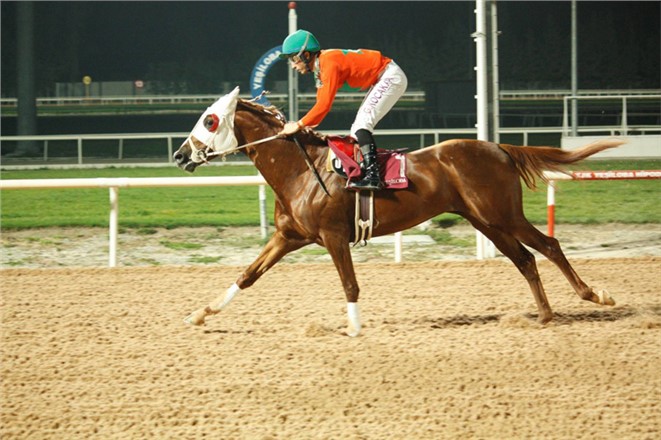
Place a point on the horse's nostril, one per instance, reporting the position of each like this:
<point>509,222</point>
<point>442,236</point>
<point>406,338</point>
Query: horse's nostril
<point>179,158</point>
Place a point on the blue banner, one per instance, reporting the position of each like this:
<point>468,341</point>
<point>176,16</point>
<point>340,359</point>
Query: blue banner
<point>258,75</point>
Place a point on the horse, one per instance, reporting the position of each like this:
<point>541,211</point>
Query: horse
<point>478,180</point>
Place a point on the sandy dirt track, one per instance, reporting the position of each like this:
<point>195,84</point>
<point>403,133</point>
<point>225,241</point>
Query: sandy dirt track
<point>449,349</point>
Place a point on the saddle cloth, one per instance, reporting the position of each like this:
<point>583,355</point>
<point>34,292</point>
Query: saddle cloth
<point>343,161</point>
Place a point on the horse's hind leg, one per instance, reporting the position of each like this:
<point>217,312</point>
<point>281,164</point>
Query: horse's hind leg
<point>550,248</point>
<point>524,261</point>
<point>276,248</point>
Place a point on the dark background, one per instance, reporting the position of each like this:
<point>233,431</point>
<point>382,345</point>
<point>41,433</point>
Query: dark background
<point>200,47</point>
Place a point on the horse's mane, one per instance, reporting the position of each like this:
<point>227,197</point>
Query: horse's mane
<point>275,117</point>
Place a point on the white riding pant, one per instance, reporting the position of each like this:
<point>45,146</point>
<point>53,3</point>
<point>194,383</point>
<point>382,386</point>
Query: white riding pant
<point>380,99</point>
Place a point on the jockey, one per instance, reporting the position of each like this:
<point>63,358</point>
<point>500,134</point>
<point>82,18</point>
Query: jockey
<point>360,69</point>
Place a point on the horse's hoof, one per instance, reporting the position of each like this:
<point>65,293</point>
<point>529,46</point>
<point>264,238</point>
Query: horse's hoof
<point>195,318</point>
<point>605,298</point>
<point>353,332</point>
<point>545,319</point>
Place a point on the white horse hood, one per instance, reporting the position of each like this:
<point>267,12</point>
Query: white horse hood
<point>215,128</point>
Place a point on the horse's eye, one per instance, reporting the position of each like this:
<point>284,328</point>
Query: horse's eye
<point>211,122</point>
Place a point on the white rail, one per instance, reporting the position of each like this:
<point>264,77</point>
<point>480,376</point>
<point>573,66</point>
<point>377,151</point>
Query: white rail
<point>134,182</point>
<point>131,182</point>
<point>113,184</point>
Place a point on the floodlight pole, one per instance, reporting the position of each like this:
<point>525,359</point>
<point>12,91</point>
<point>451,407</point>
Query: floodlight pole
<point>25,61</point>
<point>485,248</point>
<point>574,74</point>
<point>495,76</point>
<point>292,76</point>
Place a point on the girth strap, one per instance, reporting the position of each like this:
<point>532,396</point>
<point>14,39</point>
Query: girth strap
<point>364,218</point>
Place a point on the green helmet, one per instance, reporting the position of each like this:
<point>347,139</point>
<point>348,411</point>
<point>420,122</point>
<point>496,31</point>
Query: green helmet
<point>299,42</point>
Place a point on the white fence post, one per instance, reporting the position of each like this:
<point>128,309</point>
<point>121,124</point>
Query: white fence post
<point>398,246</point>
<point>170,150</point>
<point>113,228</point>
<point>263,221</point>
<point>550,208</point>
<point>80,151</point>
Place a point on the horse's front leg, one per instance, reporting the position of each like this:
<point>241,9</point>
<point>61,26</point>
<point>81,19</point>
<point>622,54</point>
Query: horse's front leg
<point>276,248</point>
<point>338,248</point>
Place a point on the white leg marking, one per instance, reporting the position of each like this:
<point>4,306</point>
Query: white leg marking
<point>353,313</point>
<point>221,303</point>
<point>198,316</point>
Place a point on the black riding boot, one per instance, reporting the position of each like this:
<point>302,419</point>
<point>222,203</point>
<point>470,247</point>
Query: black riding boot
<point>371,179</point>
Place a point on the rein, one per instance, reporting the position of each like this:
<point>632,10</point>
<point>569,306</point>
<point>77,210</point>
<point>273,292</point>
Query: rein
<point>203,155</point>
<point>240,147</point>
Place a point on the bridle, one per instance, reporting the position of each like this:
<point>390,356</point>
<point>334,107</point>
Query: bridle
<point>202,156</point>
<point>205,154</point>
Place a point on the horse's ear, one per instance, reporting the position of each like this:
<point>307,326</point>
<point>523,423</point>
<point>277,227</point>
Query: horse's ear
<point>234,93</point>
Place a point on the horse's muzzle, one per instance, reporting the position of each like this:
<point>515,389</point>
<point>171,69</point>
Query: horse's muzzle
<point>183,160</point>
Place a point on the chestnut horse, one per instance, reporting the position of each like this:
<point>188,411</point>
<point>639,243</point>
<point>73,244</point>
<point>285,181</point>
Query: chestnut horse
<point>481,181</point>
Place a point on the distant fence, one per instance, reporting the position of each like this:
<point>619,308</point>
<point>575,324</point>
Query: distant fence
<point>412,95</point>
<point>86,154</point>
<point>625,100</point>
<point>190,99</point>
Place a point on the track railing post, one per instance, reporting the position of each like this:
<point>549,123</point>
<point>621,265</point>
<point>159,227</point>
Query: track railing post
<point>550,208</point>
<point>170,159</point>
<point>263,221</point>
<point>80,150</point>
<point>113,226</point>
<point>398,246</point>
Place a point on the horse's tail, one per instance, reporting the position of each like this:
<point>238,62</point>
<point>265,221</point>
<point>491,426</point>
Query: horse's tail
<point>531,162</point>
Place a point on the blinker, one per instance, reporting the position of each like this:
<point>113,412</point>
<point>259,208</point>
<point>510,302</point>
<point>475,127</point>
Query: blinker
<point>211,122</point>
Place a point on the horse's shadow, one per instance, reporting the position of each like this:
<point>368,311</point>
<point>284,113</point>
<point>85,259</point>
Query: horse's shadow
<point>463,320</point>
<point>228,332</point>
<point>560,318</point>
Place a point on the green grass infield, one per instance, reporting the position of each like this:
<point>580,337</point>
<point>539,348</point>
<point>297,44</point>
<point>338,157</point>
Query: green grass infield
<point>580,202</point>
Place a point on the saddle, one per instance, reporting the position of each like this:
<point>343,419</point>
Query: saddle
<point>344,158</point>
